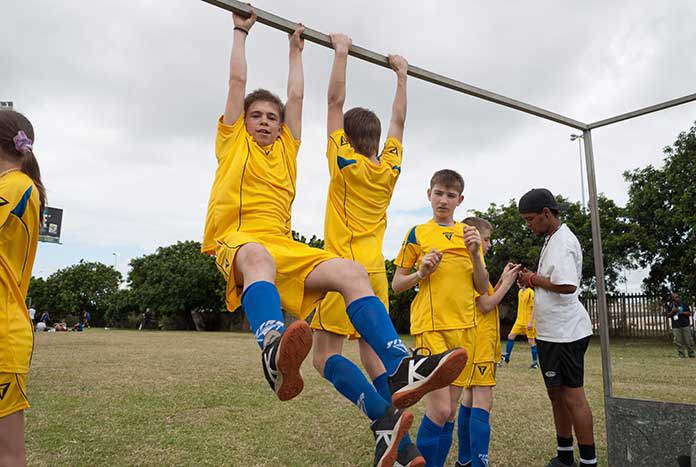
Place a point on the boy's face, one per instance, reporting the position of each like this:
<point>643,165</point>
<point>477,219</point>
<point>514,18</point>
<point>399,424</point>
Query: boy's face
<point>262,121</point>
<point>444,200</point>
<point>485,240</point>
<point>538,223</point>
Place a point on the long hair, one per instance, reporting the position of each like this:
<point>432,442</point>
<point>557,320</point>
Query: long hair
<point>11,123</point>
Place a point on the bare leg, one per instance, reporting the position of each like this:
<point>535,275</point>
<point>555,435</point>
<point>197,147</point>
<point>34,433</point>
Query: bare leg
<point>12,452</point>
<point>253,263</point>
<point>325,345</point>
<point>370,361</point>
<point>438,405</point>
<point>483,397</point>
<point>340,275</point>
<point>580,412</point>
<point>562,417</point>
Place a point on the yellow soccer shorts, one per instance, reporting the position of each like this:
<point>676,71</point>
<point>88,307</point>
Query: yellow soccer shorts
<point>293,261</point>
<point>521,329</point>
<point>13,393</point>
<point>486,355</point>
<point>331,315</point>
<point>441,341</point>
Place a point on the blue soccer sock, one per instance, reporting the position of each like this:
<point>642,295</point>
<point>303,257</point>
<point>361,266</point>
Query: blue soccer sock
<point>463,431</point>
<point>445,443</point>
<point>381,384</point>
<point>428,440</point>
<point>508,349</point>
<point>371,320</point>
<point>480,427</point>
<point>261,304</point>
<point>350,381</point>
<point>534,354</point>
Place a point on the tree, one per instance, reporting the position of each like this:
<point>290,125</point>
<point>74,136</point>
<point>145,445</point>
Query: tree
<point>662,205</point>
<point>314,242</point>
<point>176,280</point>
<point>85,286</point>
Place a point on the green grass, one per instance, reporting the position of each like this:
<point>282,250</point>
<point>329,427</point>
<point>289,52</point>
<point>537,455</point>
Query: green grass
<point>185,398</point>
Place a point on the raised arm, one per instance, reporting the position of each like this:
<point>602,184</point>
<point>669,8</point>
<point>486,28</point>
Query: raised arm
<point>337,82</point>
<point>485,302</point>
<point>472,240</point>
<point>293,108</point>
<point>404,279</point>
<point>398,116</point>
<point>238,68</point>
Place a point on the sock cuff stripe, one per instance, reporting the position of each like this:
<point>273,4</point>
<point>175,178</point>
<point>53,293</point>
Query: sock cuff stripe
<point>564,448</point>
<point>588,461</point>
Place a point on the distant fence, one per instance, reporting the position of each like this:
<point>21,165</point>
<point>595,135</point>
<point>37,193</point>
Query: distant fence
<point>632,315</point>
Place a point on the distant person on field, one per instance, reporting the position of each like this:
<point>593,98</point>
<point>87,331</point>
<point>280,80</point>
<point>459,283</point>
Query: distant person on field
<point>524,324</point>
<point>22,200</point>
<point>679,313</point>
<point>45,318</point>
<point>563,325</point>
<point>85,319</point>
<point>32,314</point>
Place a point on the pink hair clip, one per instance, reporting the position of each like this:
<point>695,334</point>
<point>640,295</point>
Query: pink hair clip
<point>22,142</point>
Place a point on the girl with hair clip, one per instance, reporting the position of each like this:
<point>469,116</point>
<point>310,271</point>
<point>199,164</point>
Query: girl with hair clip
<point>22,199</point>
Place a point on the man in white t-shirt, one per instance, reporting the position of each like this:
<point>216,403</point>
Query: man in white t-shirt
<point>563,326</point>
<point>32,314</point>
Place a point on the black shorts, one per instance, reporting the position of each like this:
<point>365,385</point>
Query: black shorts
<point>563,363</point>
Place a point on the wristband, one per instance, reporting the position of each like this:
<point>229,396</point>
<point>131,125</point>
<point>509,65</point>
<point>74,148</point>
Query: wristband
<point>237,28</point>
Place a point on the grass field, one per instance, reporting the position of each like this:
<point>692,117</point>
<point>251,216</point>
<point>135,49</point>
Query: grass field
<point>184,398</point>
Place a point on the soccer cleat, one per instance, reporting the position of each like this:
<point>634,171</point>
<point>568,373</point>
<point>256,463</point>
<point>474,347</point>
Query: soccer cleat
<point>556,463</point>
<point>534,366</point>
<point>282,357</point>
<point>388,431</point>
<point>409,456</point>
<point>417,375</point>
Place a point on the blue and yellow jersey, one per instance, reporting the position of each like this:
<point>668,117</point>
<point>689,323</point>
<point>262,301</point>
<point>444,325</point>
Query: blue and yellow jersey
<point>447,298</point>
<point>254,186</point>
<point>359,194</point>
<point>525,306</point>
<point>19,234</point>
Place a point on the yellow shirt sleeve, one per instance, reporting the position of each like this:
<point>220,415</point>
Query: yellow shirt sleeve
<point>289,140</point>
<point>392,153</point>
<point>339,152</point>
<point>227,136</point>
<point>410,251</point>
<point>11,194</point>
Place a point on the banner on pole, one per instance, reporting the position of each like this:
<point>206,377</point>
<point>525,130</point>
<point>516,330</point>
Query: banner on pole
<point>49,231</point>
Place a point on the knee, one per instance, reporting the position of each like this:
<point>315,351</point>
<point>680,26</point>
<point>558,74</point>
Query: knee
<point>254,257</point>
<point>555,395</point>
<point>355,274</point>
<point>440,413</point>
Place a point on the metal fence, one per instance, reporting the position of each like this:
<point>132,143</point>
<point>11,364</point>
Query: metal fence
<point>632,315</point>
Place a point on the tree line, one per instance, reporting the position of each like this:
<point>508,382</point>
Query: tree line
<point>656,230</point>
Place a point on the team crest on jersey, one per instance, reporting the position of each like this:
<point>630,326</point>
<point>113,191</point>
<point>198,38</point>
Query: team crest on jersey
<point>3,390</point>
<point>344,140</point>
<point>3,201</point>
<point>393,151</point>
<point>448,235</point>
<point>482,370</point>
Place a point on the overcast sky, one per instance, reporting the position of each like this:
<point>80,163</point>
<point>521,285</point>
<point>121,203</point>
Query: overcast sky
<point>124,97</point>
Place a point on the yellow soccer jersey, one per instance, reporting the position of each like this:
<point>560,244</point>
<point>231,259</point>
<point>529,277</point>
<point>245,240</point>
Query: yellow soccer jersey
<point>525,306</point>
<point>447,298</point>
<point>359,194</point>
<point>19,234</point>
<point>487,334</point>
<point>254,186</point>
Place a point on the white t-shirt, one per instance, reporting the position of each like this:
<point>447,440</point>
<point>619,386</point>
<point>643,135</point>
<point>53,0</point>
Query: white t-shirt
<point>561,317</point>
<point>32,313</point>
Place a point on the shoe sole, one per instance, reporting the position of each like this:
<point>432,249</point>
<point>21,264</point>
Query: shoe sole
<point>401,428</point>
<point>449,368</point>
<point>295,344</point>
